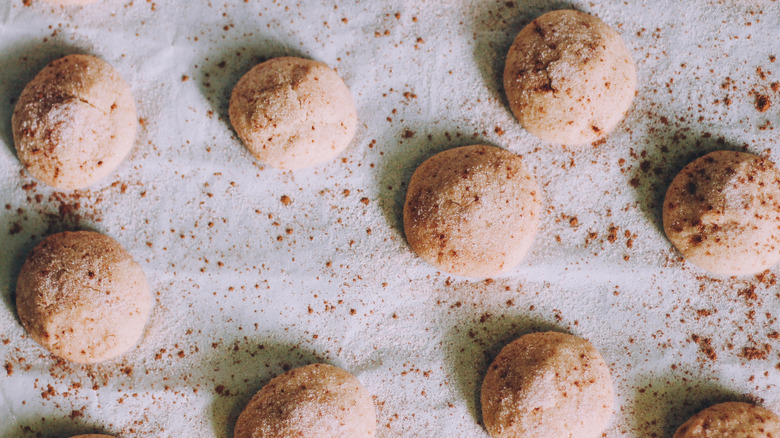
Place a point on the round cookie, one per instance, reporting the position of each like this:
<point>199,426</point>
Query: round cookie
<point>472,210</point>
<point>546,385</point>
<point>293,113</point>
<point>569,77</point>
<point>83,297</point>
<point>722,212</point>
<point>313,401</point>
<point>733,420</point>
<point>74,122</point>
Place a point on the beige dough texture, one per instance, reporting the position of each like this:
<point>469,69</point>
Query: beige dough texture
<point>731,420</point>
<point>313,401</point>
<point>722,212</point>
<point>546,385</point>
<point>293,113</point>
<point>74,122</point>
<point>472,211</point>
<point>569,78</point>
<point>83,297</point>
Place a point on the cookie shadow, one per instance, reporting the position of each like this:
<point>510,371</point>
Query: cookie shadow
<point>662,159</point>
<point>473,345</point>
<point>495,28</point>
<point>238,374</point>
<point>28,59</point>
<point>663,404</point>
<point>219,72</point>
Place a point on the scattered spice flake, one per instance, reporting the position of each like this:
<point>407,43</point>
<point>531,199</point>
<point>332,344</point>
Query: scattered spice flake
<point>407,134</point>
<point>763,103</point>
<point>16,228</point>
<point>705,346</point>
<point>613,232</point>
<point>285,200</point>
<point>364,201</point>
<point>76,414</point>
<point>755,353</point>
<point>185,78</point>
<point>48,393</point>
<point>9,368</point>
<point>748,293</point>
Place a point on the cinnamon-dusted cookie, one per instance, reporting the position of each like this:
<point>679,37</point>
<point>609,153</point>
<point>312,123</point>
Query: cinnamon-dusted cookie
<point>74,122</point>
<point>722,212</point>
<point>569,77</point>
<point>732,420</point>
<point>546,385</point>
<point>472,210</point>
<point>83,297</point>
<point>293,113</point>
<point>313,401</point>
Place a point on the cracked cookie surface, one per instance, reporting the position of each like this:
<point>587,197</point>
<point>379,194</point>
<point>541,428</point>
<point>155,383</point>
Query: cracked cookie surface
<point>74,122</point>
<point>722,212</point>
<point>569,78</point>
<point>83,297</point>
<point>293,113</point>
<point>472,210</point>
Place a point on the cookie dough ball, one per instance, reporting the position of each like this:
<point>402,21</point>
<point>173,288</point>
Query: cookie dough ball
<point>733,420</point>
<point>722,212</point>
<point>546,385</point>
<point>293,113</point>
<point>472,211</point>
<point>569,78</point>
<point>83,297</point>
<point>313,401</point>
<point>74,122</point>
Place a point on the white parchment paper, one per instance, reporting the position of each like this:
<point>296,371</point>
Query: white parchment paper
<point>247,286</point>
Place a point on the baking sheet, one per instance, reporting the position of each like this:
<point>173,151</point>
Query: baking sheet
<point>247,287</point>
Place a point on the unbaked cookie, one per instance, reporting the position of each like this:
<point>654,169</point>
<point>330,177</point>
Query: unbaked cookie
<point>74,122</point>
<point>546,385</point>
<point>293,113</point>
<point>313,401</point>
<point>569,77</point>
<point>472,210</point>
<point>83,297</point>
<point>722,212</point>
<point>731,420</point>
